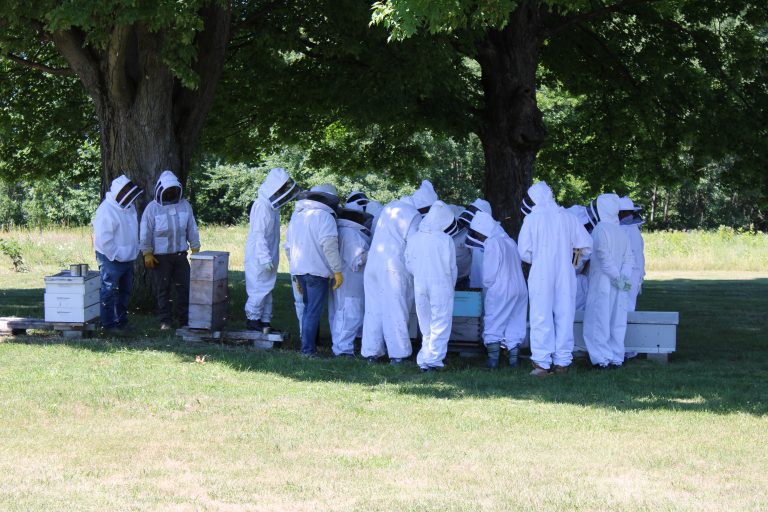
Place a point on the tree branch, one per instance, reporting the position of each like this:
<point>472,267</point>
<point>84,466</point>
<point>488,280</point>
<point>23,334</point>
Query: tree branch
<point>591,15</point>
<point>39,66</point>
<point>70,45</point>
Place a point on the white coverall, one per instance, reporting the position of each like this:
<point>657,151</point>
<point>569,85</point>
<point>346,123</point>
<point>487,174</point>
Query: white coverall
<point>115,225</point>
<point>637,246</point>
<point>262,245</point>
<point>605,318</point>
<point>547,239</point>
<point>506,296</point>
<point>346,305</point>
<point>431,259</point>
<point>476,270</point>
<point>388,284</point>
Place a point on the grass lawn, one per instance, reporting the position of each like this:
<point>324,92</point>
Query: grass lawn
<point>137,424</point>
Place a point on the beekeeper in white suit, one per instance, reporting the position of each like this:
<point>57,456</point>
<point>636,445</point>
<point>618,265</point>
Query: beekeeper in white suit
<point>465,219</point>
<point>388,284</point>
<point>506,296</point>
<point>430,257</point>
<point>262,246</point>
<point>346,305</point>
<point>547,241</point>
<point>312,242</point>
<point>610,271</point>
<point>630,221</point>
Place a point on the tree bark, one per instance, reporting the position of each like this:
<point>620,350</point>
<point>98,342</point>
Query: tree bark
<point>148,121</point>
<point>512,127</point>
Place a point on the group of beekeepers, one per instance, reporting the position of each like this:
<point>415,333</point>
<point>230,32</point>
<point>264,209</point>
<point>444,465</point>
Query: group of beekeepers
<point>374,263</point>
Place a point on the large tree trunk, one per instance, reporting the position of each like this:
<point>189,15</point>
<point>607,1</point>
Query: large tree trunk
<point>148,121</point>
<point>512,128</point>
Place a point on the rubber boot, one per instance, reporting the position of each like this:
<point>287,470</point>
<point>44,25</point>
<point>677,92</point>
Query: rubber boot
<point>513,357</point>
<point>494,350</point>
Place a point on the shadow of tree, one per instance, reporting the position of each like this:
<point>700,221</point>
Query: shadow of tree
<point>721,364</point>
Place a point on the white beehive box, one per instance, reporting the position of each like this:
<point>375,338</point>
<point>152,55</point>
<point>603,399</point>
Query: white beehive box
<point>73,299</point>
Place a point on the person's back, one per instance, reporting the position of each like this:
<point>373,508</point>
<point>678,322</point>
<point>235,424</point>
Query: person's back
<point>309,225</point>
<point>431,258</point>
<point>547,241</point>
<point>605,316</point>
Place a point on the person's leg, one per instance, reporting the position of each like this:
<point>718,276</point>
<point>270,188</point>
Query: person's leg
<point>441,305</point>
<point>397,298</point>
<point>424,316</point>
<point>258,285</point>
<point>372,345</point>
<point>541,292</point>
<point>181,285</point>
<point>108,291</point>
<point>564,310</point>
<point>315,290</point>
<point>163,277</point>
<point>124,292</point>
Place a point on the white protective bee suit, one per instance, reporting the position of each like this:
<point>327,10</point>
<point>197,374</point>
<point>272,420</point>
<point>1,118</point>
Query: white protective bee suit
<point>605,318</point>
<point>115,224</point>
<point>388,284</point>
<point>346,306</point>
<point>431,259</point>
<point>631,227</point>
<point>463,253</point>
<point>168,228</point>
<point>465,219</point>
<point>506,296</point>
<point>582,268</point>
<point>547,240</point>
<point>262,245</point>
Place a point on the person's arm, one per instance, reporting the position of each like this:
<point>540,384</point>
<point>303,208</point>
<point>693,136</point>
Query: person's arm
<point>104,233</point>
<point>524,243</point>
<point>330,246</point>
<point>491,262</point>
<point>193,235</point>
<point>147,230</point>
<point>582,239</point>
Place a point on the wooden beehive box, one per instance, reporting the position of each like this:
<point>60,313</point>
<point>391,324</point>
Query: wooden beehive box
<point>72,298</point>
<point>208,299</point>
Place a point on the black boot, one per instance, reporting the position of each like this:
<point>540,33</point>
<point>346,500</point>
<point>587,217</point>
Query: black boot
<point>494,350</point>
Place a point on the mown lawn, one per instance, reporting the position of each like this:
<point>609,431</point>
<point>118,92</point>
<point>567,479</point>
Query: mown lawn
<point>137,424</point>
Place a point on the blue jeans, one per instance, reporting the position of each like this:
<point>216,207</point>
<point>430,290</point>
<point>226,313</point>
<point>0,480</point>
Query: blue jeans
<point>116,282</point>
<point>314,291</point>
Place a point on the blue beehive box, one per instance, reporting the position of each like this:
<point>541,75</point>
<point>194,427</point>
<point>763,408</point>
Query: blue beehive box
<point>468,303</point>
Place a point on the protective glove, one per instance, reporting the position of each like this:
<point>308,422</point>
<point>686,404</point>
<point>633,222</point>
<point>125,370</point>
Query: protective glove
<point>194,251</point>
<point>149,260</point>
<point>618,282</point>
<point>338,279</point>
<point>298,286</point>
<point>627,283</point>
<point>269,267</point>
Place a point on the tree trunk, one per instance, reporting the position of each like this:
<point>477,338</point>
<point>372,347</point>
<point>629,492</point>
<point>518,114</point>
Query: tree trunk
<point>148,121</point>
<point>512,127</point>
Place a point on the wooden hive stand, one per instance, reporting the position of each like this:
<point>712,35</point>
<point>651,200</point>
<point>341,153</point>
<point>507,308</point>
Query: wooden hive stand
<point>255,339</point>
<point>14,326</point>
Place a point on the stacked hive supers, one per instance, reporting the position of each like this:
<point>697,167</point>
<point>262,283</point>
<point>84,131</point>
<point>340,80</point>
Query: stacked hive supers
<point>208,298</point>
<point>71,298</point>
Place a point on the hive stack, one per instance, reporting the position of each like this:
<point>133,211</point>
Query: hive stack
<point>208,298</point>
<point>72,299</point>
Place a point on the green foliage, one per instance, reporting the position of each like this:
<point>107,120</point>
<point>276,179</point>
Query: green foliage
<point>12,249</point>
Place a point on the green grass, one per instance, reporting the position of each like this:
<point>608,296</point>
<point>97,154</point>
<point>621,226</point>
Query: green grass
<point>137,424</point>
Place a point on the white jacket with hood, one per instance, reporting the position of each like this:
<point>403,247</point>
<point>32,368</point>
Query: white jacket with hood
<point>116,228</point>
<point>168,228</point>
<point>312,240</point>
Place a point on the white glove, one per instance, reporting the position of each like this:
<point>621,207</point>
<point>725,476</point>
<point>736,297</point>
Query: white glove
<point>269,267</point>
<point>618,282</point>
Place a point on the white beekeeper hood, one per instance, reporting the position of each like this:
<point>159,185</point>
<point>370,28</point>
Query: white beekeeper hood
<point>482,227</point>
<point>539,194</point>
<point>123,191</point>
<point>604,209</point>
<point>440,218</point>
<point>278,188</point>
<point>424,197</point>
<point>580,212</point>
<point>465,219</point>
<point>626,205</point>
<point>166,182</point>
<point>356,200</point>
